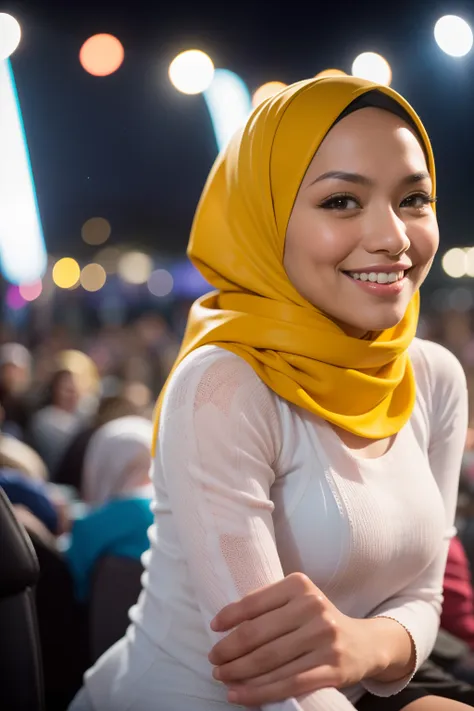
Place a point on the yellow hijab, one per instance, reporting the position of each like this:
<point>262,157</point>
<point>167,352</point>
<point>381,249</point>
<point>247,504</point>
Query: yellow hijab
<point>237,242</point>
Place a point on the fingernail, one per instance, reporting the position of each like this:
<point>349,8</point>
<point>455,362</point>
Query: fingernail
<point>232,696</point>
<point>216,673</point>
<point>214,624</point>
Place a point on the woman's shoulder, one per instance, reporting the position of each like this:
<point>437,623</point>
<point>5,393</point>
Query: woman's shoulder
<point>214,385</point>
<point>436,366</point>
<point>440,379</point>
<point>215,372</point>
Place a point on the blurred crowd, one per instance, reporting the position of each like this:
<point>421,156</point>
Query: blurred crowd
<point>76,426</point>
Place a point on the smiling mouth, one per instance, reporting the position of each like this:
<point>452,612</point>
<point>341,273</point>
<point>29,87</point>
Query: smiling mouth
<point>379,277</point>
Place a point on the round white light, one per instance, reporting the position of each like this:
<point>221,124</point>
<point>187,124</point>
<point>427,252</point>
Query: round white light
<point>453,35</point>
<point>10,35</point>
<point>373,67</point>
<point>135,267</point>
<point>470,262</point>
<point>454,263</point>
<point>191,72</point>
<point>160,283</point>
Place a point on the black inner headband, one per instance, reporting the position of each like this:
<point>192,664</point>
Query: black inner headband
<point>378,100</point>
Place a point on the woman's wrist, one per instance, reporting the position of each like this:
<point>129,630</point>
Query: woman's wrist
<point>395,652</point>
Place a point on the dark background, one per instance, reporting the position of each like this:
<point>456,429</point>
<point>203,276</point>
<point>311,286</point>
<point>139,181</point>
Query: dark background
<point>130,148</point>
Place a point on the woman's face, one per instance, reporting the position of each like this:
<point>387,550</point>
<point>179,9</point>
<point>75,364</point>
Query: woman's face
<point>66,394</point>
<point>362,234</point>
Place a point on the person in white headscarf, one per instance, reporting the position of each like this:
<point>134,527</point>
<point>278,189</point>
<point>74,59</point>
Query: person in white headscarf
<point>117,487</point>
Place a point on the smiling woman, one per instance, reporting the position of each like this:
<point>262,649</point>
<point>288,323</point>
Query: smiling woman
<point>307,444</point>
<point>374,225</point>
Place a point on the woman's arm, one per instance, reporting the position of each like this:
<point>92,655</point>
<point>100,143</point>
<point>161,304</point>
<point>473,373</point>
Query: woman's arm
<point>219,439</point>
<point>417,608</point>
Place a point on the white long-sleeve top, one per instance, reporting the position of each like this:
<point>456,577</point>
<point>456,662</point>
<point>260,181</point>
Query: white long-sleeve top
<point>250,488</point>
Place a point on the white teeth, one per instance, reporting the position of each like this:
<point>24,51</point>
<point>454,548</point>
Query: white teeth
<point>380,277</point>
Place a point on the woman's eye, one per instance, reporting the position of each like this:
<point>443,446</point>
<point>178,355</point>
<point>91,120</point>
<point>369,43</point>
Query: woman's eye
<point>340,202</point>
<point>418,201</point>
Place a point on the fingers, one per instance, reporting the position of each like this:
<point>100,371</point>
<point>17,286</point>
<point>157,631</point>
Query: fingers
<point>252,634</point>
<point>261,601</point>
<point>252,605</point>
<point>295,686</point>
<point>266,658</point>
<point>296,667</point>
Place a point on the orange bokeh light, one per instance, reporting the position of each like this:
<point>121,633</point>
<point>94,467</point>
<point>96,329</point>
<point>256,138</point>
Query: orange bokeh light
<point>266,91</point>
<point>331,73</point>
<point>101,55</point>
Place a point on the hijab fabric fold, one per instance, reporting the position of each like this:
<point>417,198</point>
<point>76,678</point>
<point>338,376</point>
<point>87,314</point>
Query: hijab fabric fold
<point>237,242</point>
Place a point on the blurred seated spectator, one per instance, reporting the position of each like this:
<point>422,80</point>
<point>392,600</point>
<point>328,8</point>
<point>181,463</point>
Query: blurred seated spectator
<point>33,496</point>
<point>15,381</point>
<point>53,426</point>
<point>458,607</point>
<point>117,486</point>
<point>20,456</point>
<point>69,470</point>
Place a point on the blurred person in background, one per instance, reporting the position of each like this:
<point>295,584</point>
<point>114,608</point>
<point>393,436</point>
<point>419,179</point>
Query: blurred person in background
<point>71,400</point>
<point>116,486</point>
<point>15,382</point>
<point>70,468</point>
<point>15,454</point>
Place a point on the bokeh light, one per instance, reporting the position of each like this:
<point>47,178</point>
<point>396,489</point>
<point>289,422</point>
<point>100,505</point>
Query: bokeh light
<point>93,277</point>
<point>454,263</point>
<point>160,283</point>
<point>453,35</point>
<point>14,299</point>
<point>191,72</point>
<point>30,292</point>
<point>470,262</point>
<point>373,67</point>
<point>101,55</point>
<point>66,273</point>
<point>96,231</point>
<point>266,91</point>
<point>10,35</point>
<point>135,267</point>
<point>330,73</point>
<point>108,258</point>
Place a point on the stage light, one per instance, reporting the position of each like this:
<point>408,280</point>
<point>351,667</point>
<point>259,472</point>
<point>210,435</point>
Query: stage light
<point>330,73</point>
<point>96,231</point>
<point>108,258</point>
<point>266,91</point>
<point>10,35</point>
<point>191,72</point>
<point>454,263</point>
<point>66,273</point>
<point>101,55</point>
<point>229,104</point>
<point>135,267</point>
<point>93,277</point>
<point>373,67</point>
<point>14,299</point>
<point>453,35</point>
<point>160,283</point>
<point>30,292</point>
<point>22,250</point>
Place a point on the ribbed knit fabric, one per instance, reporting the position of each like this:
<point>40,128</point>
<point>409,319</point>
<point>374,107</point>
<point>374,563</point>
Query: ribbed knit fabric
<point>250,488</point>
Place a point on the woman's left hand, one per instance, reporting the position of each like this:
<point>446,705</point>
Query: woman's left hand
<point>288,640</point>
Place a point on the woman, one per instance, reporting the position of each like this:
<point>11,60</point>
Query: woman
<point>117,486</point>
<point>54,425</point>
<point>308,447</point>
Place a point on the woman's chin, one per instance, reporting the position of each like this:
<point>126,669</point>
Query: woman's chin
<point>381,321</point>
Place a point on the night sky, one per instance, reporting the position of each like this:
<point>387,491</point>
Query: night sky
<point>130,148</point>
